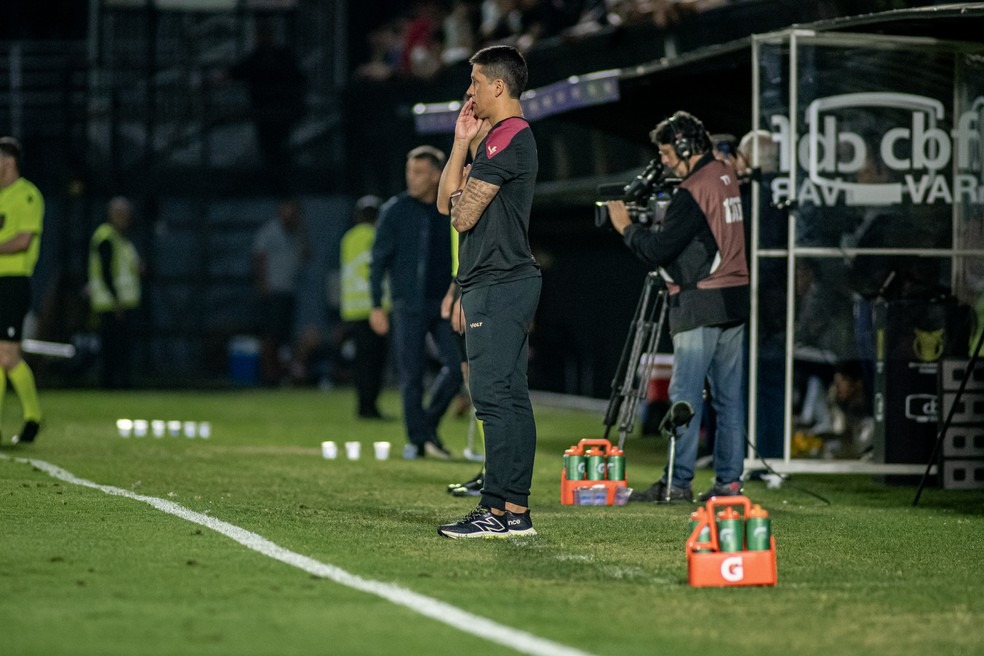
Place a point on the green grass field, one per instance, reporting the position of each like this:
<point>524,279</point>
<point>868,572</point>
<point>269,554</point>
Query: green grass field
<point>84,571</point>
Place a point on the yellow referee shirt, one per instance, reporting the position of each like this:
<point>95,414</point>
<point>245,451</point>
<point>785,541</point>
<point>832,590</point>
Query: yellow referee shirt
<point>21,210</point>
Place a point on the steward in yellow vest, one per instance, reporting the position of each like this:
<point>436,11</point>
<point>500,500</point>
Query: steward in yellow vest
<point>114,267</point>
<point>369,364</point>
<point>114,290</point>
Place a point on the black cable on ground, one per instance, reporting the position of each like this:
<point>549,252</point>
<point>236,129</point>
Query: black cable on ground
<point>785,478</point>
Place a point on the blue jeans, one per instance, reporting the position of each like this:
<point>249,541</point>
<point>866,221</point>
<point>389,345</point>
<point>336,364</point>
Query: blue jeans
<point>714,354</point>
<point>410,330</point>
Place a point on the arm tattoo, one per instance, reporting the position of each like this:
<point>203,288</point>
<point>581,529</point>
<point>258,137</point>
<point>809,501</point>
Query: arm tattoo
<point>468,210</point>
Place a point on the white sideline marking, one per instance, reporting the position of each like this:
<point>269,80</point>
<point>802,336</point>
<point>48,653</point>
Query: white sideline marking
<point>435,609</point>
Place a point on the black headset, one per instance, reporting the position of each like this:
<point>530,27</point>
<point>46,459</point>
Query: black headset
<point>688,135</point>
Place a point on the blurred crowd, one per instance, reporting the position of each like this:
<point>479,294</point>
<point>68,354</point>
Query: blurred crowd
<point>433,34</point>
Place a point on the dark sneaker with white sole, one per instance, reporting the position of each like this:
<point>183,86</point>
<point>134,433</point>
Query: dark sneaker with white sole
<point>732,489</point>
<point>479,523</point>
<point>520,524</point>
<point>28,432</point>
<point>656,493</point>
<point>470,488</point>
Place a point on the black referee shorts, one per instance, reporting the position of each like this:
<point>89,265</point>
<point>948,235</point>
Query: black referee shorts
<point>15,301</point>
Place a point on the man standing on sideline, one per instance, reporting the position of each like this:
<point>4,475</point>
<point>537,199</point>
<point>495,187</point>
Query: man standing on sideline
<point>21,218</point>
<point>490,203</point>
<point>370,348</point>
<point>114,291</point>
<point>700,251</point>
<point>278,250</point>
<point>413,247</point>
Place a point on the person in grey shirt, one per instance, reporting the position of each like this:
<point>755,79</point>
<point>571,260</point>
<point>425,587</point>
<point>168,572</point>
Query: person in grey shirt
<point>279,249</point>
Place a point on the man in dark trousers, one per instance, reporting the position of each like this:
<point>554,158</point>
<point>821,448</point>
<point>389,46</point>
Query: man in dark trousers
<point>413,248</point>
<point>489,203</point>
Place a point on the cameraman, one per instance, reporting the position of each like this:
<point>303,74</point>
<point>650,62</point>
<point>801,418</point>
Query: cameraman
<point>700,251</point>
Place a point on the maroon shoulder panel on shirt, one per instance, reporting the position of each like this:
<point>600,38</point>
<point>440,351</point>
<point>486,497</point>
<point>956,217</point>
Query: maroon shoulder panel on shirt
<point>500,137</point>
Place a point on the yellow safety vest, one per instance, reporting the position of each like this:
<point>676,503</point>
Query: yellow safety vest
<point>125,271</point>
<point>356,255</point>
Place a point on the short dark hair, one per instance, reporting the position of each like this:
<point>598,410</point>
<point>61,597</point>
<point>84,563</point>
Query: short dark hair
<point>679,129</point>
<point>430,153</point>
<point>11,148</point>
<point>503,63</point>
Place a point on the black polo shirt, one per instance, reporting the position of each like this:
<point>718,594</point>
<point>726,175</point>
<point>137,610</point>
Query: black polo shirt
<point>497,248</point>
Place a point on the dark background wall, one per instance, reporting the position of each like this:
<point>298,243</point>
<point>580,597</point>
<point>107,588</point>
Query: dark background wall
<point>144,123</point>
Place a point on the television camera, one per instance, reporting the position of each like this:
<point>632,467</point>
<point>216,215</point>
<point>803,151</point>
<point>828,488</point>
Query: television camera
<point>646,196</point>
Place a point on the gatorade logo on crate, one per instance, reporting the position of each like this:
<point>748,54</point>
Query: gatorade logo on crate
<point>593,474</point>
<point>717,553</point>
<point>732,569</point>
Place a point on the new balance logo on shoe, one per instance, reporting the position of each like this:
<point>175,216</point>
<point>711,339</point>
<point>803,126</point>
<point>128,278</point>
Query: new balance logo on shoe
<point>479,523</point>
<point>489,525</point>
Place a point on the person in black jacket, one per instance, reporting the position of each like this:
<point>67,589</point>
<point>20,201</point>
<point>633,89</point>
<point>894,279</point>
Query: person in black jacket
<point>413,248</point>
<point>700,251</point>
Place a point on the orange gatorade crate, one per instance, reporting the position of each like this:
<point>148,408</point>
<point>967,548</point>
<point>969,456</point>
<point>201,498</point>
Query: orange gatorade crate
<point>709,566</point>
<point>602,490</point>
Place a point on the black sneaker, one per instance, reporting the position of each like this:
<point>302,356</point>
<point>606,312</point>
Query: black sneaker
<point>479,523</point>
<point>434,449</point>
<point>656,493</point>
<point>469,488</point>
<point>732,489</point>
<point>466,491</point>
<point>28,432</point>
<point>520,524</point>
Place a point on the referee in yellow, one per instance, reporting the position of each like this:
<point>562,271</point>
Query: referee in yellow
<point>21,214</point>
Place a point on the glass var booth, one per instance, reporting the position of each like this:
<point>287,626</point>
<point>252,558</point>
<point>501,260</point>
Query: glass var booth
<point>866,247</point>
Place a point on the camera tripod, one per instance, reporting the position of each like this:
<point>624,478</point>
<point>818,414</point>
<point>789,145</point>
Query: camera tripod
<point>638,359</point>
<point>635,369</point>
